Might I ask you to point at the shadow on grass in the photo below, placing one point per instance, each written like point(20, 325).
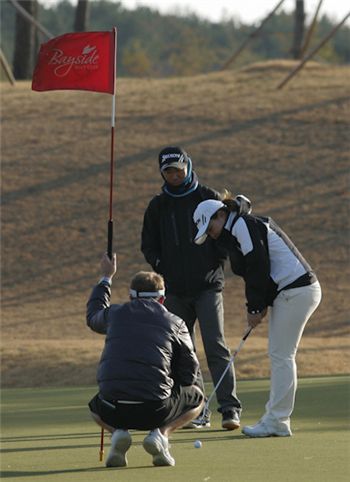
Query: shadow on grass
point(47, 448)
point(210, 436)
point(26, 473)
point(37, 438)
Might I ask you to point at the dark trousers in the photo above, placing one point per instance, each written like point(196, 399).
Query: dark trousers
point(208, 308)
point(149, 414)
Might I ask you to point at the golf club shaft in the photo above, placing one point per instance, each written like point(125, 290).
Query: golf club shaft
point(245, 336)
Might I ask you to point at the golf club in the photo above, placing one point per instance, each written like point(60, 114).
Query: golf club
point(206, 406)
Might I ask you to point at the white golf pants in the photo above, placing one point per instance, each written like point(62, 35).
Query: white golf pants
point(288, 316)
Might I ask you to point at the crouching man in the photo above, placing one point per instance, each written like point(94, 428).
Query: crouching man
point(147, 369)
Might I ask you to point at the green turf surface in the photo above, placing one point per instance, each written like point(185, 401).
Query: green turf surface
point(47, 435)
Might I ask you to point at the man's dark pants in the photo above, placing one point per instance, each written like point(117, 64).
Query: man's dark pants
point(146, 415)
point(208, 308)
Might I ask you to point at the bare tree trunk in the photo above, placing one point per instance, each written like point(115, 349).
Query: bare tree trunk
point(298, 29)
point(81, 16)
point(24, 41)
point(36, 41)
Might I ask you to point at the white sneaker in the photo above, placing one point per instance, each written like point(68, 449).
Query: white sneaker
point(262, 430)
point(157, 445)
point(120, 444)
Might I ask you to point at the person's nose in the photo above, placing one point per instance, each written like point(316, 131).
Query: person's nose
point(175, 176)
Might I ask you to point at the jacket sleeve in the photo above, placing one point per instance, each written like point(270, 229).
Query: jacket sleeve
point(185, 363)
point(98, 308)
point(150, 237)
point(256, 261)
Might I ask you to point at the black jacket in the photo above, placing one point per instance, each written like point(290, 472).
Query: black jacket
point(147, 348)
point(167, 244)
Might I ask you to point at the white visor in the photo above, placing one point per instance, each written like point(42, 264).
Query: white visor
point(202, 216)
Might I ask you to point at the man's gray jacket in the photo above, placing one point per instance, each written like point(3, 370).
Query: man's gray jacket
point(147, 348)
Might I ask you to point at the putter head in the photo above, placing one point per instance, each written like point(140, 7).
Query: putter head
point(202, 421)
point(204, 418)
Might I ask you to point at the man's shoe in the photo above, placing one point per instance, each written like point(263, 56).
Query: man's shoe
point(198, 423)
point(230, 420)
point(120, 444)
point(157, 445)
point(262, 430)
point(203, 421)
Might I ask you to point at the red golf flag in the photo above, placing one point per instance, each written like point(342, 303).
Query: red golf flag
point(77, 61)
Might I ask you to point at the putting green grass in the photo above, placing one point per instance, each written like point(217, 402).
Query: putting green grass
point(47, 435)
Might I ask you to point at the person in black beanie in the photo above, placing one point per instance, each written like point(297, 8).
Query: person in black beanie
point(193, 275)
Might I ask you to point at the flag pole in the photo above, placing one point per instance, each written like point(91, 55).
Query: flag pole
point(102, 444)
point(111, 177)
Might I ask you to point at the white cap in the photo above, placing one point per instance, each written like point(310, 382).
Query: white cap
point(202, 216)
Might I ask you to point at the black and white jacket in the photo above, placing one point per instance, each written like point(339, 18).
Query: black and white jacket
point(265, 257)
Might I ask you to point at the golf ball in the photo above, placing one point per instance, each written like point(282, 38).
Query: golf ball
point(198, 444)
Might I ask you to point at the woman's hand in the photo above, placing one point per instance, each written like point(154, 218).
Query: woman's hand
point(254, 319)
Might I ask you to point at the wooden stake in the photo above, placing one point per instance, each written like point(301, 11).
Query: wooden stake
point(252, 35)
point(311, 30)
point(311, 54)
point(7, 68)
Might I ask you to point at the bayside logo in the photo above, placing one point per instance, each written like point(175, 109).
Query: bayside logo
point(87, 60)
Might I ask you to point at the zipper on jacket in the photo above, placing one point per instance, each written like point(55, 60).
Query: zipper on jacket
point(176, 234)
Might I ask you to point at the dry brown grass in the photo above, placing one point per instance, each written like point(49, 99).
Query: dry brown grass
point(46, 362)
point(287, 150)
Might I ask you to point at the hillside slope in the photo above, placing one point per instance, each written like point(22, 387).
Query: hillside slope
point(287, 150)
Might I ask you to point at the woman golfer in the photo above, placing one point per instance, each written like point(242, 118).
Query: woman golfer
point(275, 275)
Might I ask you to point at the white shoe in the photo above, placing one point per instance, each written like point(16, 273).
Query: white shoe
point(157, 445)
point(262, 430)
point(120, 444)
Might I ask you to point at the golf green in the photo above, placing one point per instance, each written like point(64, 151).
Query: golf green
point(48, 435)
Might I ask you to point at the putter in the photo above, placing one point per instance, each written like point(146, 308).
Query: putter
point(206, 406)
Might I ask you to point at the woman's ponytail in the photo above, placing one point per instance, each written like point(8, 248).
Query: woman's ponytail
point(229, 201)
